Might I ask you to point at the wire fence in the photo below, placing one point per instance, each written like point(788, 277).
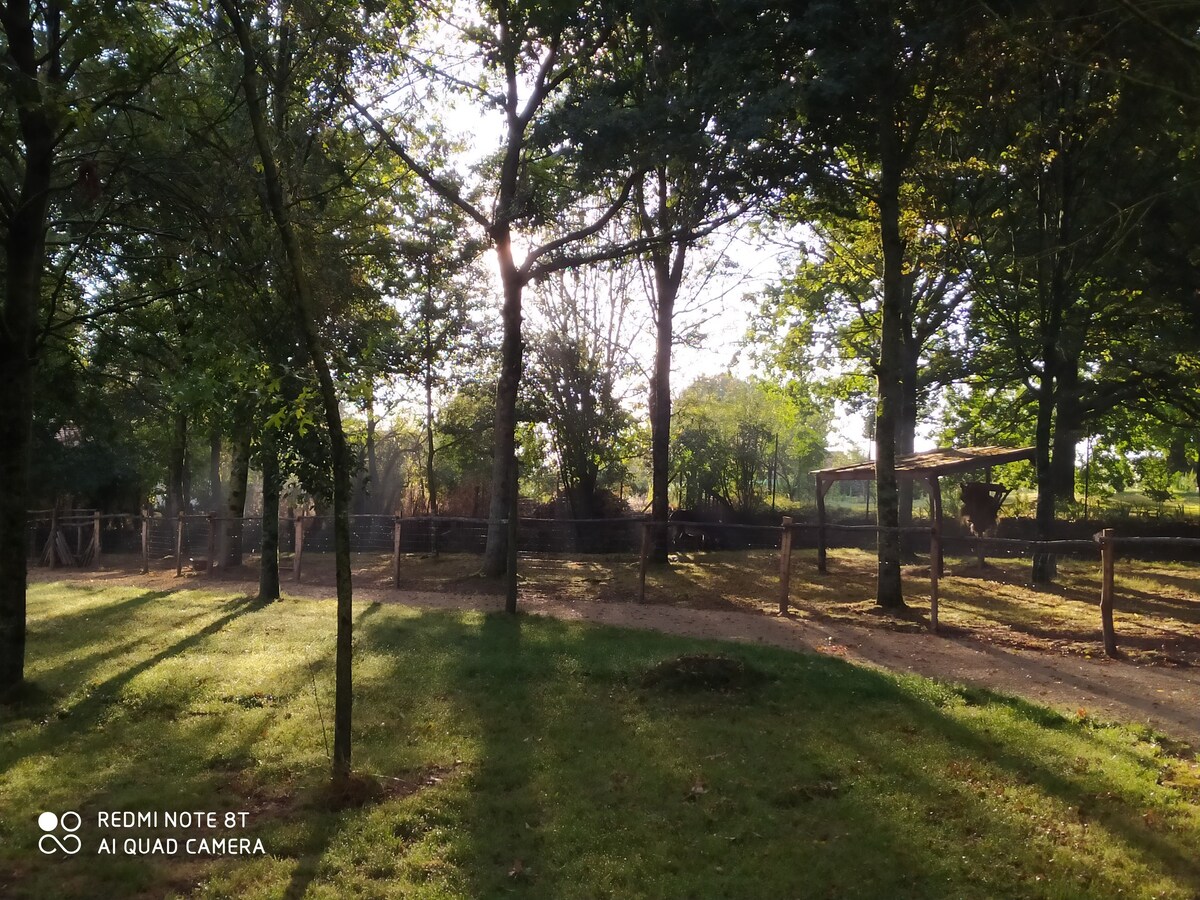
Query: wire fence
point(84, 537)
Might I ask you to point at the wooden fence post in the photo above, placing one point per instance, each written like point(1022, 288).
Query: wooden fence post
point(96, 537)
point(396, 551)
point(179, 546)
point(1107, 562)
point(297, 556)
point(785, 565)
point(644, 558)
point(212, 542)
point(935, 557)
point(145, 540)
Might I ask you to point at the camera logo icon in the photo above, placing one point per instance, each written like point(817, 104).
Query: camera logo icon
point(50, 842)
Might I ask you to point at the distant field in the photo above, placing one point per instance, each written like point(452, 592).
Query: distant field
point(533, 758)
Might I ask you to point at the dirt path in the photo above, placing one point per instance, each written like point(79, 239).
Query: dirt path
point(1166, 698)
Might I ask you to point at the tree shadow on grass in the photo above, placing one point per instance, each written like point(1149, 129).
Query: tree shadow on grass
point(508, 738)
point(1169, 848)
point(88, 710)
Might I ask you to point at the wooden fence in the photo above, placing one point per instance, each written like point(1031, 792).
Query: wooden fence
point(1105, 541)
point(75, 538)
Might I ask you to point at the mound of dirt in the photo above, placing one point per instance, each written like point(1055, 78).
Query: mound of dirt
point(702, 672)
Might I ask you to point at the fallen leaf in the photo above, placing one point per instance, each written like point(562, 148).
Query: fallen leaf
point(517, 870)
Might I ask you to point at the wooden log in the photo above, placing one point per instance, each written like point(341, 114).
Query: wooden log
point(179, 547)
point(785, 565)
point(1108, 552)
point(96, 538)
point(396, 525)
point(145, 540)
point(212, 543)
point(298, 556)
point(644, 557)
point(1161, 541)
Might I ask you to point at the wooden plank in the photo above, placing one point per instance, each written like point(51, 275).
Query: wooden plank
point(942, 461)
point(935, 552)
point(95, 554)
point(211, 560)
point(514, 518)
point(935, 503)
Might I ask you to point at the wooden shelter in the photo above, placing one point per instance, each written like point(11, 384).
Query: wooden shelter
point(928, 466)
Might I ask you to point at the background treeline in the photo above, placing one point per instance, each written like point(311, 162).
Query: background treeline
point(415, 258)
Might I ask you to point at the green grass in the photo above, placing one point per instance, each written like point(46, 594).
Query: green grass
point(534, 740)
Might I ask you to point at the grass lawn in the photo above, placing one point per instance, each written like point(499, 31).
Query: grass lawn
point(527, 757)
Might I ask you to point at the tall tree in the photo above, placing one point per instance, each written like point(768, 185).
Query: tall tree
point(53, 81)
point(891, 63)
point(529, 54)
point(1072, 168)
point(270, 134)
point(703, 101)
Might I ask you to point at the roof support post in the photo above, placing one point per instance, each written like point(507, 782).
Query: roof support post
point(935, 513)
point(822, 488)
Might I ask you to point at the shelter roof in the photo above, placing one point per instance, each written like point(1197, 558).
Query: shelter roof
point(931, 462)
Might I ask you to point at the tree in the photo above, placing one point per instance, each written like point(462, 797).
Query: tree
point(53, 83)
point(443, 319)
point(826, 314)
point(703, 102)
point(733, 435)
point(278, 204)
point(579, 374)
point(881, 71)
point(1055, 281)
point(529, 54)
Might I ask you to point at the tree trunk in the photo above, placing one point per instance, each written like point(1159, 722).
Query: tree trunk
point(268, 572)
point(889, 593)
point(504, 435)
point(1067, 431)
point(24, 256)
point(668, 275)
point(215, 498)
point(373, 486)
point(906, 431)
point(230, 545)
point(430, 470)
point(177, 499)
point(1044, 564)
